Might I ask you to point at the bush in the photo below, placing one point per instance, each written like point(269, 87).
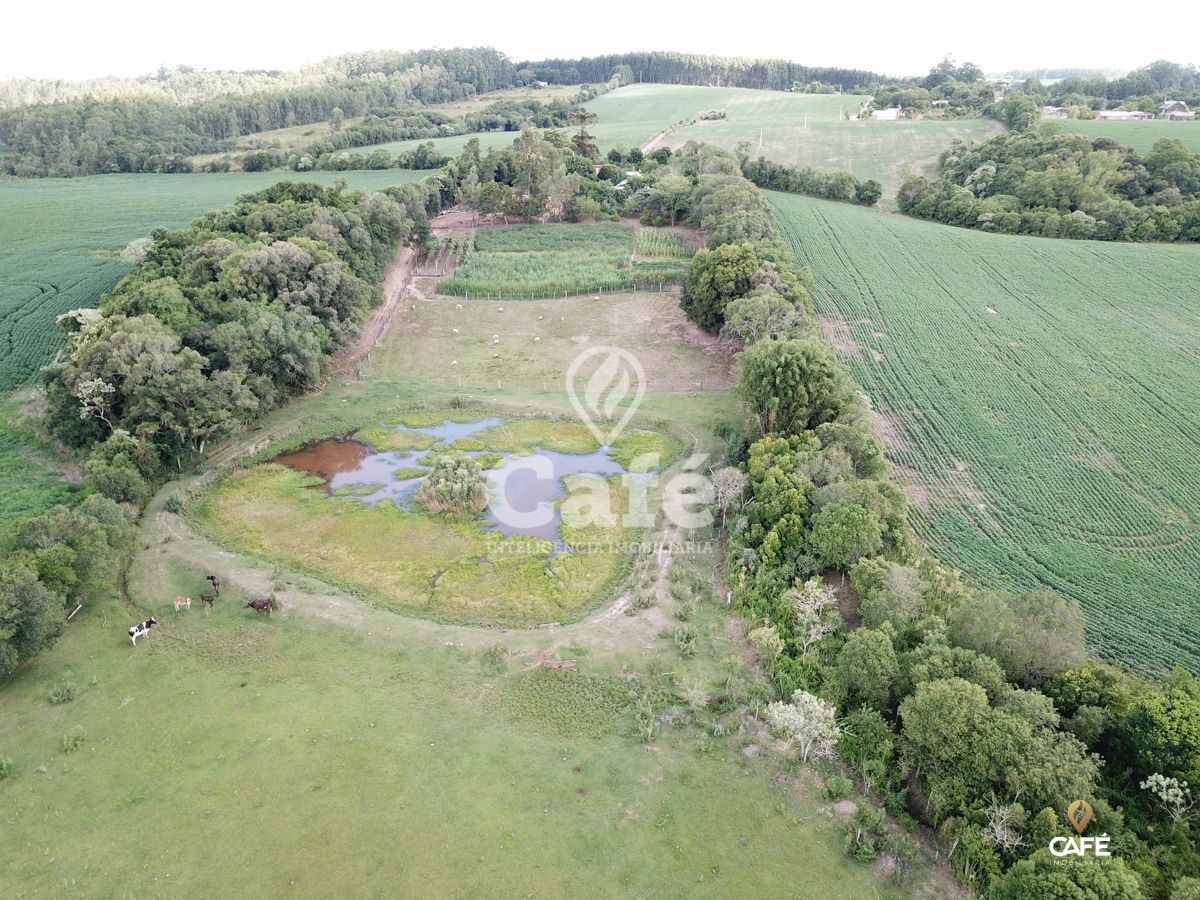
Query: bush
point(72, 740)
point(6, 767)
point(837, 787)
point(174, 504)
point(685, 640)
point(64, 693)
point(493, 660)
point(455, 485)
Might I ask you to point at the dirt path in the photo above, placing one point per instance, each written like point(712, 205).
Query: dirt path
point(397, 287)
point(652, 144)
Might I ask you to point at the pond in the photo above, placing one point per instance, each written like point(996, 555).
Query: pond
point(521, 483)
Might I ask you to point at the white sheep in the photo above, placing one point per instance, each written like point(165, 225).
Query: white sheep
point(499, 309)
point(458, 306)
point(539, 318)
point(454, 362)
point(455, 330)
point(537, 340)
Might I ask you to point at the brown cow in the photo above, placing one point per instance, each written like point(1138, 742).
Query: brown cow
point(215, 582)
point(182, 603)
point(207, 599)
point(262, 606)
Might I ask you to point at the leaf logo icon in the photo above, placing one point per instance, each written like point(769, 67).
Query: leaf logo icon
point(616, 378)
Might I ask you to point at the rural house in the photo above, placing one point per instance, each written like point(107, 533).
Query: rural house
point(1174, 110)
point(891, 114)
point(1055, 112)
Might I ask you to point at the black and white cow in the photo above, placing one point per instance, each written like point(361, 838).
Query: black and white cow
point(141, 628)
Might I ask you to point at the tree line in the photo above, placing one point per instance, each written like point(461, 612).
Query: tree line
point(693, 68)
point(977, 714)
point(139, 132)
point(1063, 185)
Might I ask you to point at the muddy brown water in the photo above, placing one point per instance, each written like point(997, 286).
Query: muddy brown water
point(327, 459)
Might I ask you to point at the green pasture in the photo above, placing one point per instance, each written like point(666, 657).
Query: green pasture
point(1141, 136)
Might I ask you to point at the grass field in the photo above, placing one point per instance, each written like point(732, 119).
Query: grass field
point(28, 482)
point(1138, 135)
point(525, 262)
point(337, 747)
point(797, 129)
point(235, 755)
point(1041, 397)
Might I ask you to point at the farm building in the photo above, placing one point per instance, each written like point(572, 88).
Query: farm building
point(1122, 115)
point(1055, 112)
point(891, 114)
point(1175, 110)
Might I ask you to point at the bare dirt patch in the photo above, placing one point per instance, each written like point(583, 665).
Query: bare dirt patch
point(838, 333)
point(892, 433)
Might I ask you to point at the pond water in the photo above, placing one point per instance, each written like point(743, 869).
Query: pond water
point(518, 487)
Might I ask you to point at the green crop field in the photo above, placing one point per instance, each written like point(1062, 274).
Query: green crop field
point(1138, 135)
point(632, 115)
point(797, 129)
point(530, 261)
point(1042, 400)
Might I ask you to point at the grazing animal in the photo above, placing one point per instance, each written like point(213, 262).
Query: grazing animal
point(215, 582)
point(141, 628)
point(262, 606)
point(207, 599)
point(183, 603)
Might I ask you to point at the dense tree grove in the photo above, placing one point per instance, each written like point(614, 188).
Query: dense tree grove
point(153, 125)
point(228, 317)
point(975, 713)
point(1142, 88)
point(1063, 185)
point(692, 68)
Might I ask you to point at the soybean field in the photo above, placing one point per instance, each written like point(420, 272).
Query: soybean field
point(1040, 398)
point(1141, 136)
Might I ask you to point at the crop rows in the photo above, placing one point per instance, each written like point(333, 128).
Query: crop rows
point(33, 292)
point(1042, 400)
point(653, 244)
point(534, 261)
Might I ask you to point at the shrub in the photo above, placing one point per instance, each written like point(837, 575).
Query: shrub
point(493, 660)
point(72, 740)
point(174, 504)
point(647, 720)
point(837, 787)
point(455, 485)
point(6, 767)
point(64, 693)
point(685, 640)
